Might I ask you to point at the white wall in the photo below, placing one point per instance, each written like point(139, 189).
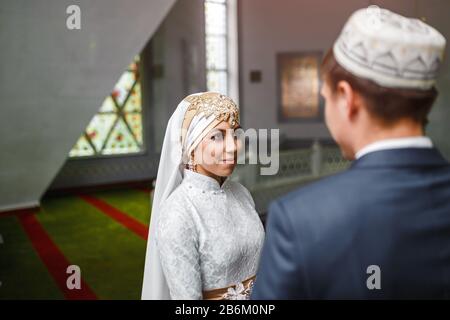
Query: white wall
point(180, 37)
point(268, 27)
point(52, 81)
point(179, 47)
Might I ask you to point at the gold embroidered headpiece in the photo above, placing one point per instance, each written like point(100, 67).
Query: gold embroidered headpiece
point(209, 103)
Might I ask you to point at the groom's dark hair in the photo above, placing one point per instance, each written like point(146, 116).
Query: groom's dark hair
point(386, 104)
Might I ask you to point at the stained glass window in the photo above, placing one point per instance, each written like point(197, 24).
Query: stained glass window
point(117, 127)
point(216, 45)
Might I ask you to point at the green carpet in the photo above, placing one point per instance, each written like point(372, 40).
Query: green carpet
point(135, 203)
point(111, 257)
point(22, 273)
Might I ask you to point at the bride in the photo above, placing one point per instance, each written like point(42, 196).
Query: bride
point(205, 236)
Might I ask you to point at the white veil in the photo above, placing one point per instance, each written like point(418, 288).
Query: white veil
point(169, 176)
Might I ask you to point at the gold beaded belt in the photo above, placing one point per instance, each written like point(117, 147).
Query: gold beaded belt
point(240, 291)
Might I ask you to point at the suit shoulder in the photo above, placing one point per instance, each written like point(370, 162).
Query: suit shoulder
point(316, 189)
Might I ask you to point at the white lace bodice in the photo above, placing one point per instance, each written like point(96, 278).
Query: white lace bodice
point(208, 236)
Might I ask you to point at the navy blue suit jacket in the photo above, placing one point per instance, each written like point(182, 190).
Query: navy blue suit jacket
point(390, 209)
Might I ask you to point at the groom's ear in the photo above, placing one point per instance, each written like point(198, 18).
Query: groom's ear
point(348, 101)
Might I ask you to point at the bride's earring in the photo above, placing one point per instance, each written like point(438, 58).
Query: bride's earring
point(192, 165)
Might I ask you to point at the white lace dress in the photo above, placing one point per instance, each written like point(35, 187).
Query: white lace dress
point(208, 237)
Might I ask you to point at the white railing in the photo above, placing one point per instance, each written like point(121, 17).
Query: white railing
point(296, 168)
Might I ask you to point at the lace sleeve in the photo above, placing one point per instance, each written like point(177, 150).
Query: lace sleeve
point(176, 239)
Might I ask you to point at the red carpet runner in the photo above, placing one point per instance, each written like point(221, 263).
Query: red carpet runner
point(132, 224)
point(53, 258)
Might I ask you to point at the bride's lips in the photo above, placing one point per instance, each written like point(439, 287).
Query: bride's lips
point(227, 161)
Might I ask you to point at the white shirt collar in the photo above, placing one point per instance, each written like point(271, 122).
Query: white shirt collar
point(386, 144)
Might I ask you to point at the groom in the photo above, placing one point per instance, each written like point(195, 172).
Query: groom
point(380, 230)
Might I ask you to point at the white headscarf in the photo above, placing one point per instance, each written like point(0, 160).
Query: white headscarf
point(170, 175)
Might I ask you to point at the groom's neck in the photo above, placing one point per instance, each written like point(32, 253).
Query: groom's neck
point(376, 131)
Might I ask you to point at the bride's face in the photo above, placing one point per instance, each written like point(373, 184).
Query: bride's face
point(217, 152)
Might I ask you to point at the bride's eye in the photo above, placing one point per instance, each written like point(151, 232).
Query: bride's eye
point(218, 136)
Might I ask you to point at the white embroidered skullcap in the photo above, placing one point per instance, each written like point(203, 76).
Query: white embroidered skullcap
point(392, 50)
